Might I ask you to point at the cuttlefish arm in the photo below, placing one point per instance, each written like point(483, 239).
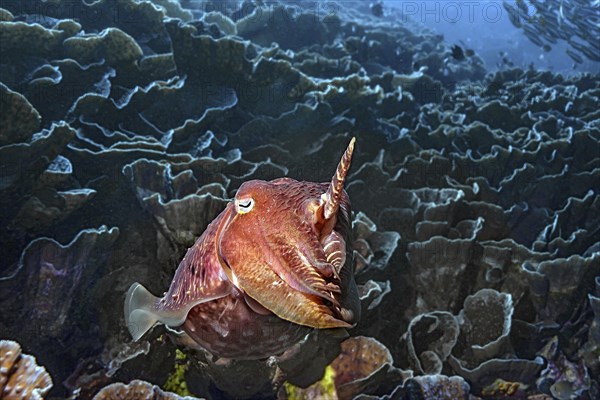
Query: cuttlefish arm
point(333, 202)
point(199, 278)
point(264, 285)
point(296, 265)
point(334, 246)
point(333, 197)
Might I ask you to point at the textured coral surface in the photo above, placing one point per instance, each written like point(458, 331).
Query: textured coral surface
point(20, 376)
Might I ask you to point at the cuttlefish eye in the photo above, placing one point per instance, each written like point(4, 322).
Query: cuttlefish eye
point(244, 205)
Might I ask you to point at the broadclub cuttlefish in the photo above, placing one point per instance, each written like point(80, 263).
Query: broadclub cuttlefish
point(276, 263)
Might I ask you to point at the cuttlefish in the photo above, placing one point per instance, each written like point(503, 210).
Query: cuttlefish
point(276, 263)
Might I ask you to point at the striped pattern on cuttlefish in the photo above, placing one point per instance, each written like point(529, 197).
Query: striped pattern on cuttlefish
point(274, 264)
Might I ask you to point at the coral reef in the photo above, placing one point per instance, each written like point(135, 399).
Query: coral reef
point(443, 330)
point(20, 376)
point(19, 119)
point(126, 126)
point(137, 390)
point(363, 366)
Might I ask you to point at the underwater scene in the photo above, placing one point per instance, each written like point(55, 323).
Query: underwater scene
point(273, 199)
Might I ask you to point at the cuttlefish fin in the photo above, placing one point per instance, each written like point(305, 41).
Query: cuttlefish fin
point(143, 310)
point(199, 278)
point(140, 306)
point(331, 198)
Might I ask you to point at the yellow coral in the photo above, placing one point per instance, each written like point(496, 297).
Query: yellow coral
point(503, 388)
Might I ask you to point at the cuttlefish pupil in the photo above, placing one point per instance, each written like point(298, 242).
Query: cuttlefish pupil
point(274, 264)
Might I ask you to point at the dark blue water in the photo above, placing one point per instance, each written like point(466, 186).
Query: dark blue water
point(486, 27)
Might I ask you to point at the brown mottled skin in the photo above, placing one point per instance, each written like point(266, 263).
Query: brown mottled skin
point(274, 264)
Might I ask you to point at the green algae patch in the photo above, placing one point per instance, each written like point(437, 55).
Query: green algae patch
point(323, 389)
point(176, 381)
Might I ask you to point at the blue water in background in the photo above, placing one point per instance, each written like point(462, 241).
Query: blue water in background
point(485, 27)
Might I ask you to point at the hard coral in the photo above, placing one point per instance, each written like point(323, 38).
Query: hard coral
point(20, 376)
point(18, 118)
point(137, 390)
point(430, 339)
point(363, 366)
point(112, 44)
